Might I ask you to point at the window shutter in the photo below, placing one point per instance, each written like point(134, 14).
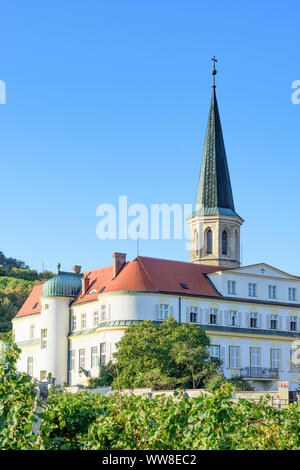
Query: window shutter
point(157, 312)
point(187, 314)
point(220, 317)
point(206, 316)
point(226, 314)
point(238, 357)
point(268, 321)
point(171, 310)
point(108, 312)
point(287, 323)
point(222, 357)
point(239, 318)
point(279, 322)
point(108, 352)
point(247, 320)
point(259, 320)
point(200, 315)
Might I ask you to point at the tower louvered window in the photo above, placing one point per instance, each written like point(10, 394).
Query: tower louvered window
point(224, 242)
point(209, 242)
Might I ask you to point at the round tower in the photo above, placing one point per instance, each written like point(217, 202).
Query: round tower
point(58, 292)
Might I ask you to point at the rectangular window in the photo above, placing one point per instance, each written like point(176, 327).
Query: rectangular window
point(103, 312)
point(214, 352)
point(83, 321)
point(193, 314)
point(73, 322)
point(163, 311)
point(272, 292)
point(231, 287)
point(96, 318)
point(253, 320)
point(234, 357)
point(31, 332)
point(43, 339)
point(102, 354)
point(30, 366)
point(274, 322)
point(293, 323)
point(275, 359)
point(82, 358)
point(71, 360)
point(255, 357)
point(233, 317)
point(252, 289)
point(94, 357)
point(43, 376)
point(213, 316)
point(292, 294)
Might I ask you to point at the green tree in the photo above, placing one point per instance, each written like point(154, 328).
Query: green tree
point(164, 355)
point(17, 405)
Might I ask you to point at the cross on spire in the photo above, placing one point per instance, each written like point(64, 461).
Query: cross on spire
point(214, 71)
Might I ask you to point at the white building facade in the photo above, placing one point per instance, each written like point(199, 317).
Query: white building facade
point(253, 333)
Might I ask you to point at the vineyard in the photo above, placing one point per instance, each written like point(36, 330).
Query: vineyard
point(87, 421)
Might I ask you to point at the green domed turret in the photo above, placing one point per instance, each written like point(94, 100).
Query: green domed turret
point(63, 285)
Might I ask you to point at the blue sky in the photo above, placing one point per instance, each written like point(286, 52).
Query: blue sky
point(109, 98)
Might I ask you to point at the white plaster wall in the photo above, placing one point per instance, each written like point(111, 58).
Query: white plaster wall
point(242, 290)
point(265, 346)
point(109, 336)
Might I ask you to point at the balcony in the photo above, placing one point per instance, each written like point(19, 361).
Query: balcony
point(263, 373)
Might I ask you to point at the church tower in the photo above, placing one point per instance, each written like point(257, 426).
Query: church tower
point(214, 224)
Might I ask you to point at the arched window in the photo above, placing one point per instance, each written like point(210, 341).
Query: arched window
point(209, 242)
point(224, 242)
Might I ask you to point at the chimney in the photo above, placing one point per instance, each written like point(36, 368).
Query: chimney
point(119, 259)
point(76, 269)
point(84, 285)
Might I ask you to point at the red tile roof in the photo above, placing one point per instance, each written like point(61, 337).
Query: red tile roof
point(97, 278)
point(33, 300)
point(140, 275)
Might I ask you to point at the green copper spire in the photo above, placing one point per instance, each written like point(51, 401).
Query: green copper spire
point(214, 194)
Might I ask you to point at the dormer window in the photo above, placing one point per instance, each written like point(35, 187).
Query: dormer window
point(35, 305)
point(183, 285)
point(93, 291)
